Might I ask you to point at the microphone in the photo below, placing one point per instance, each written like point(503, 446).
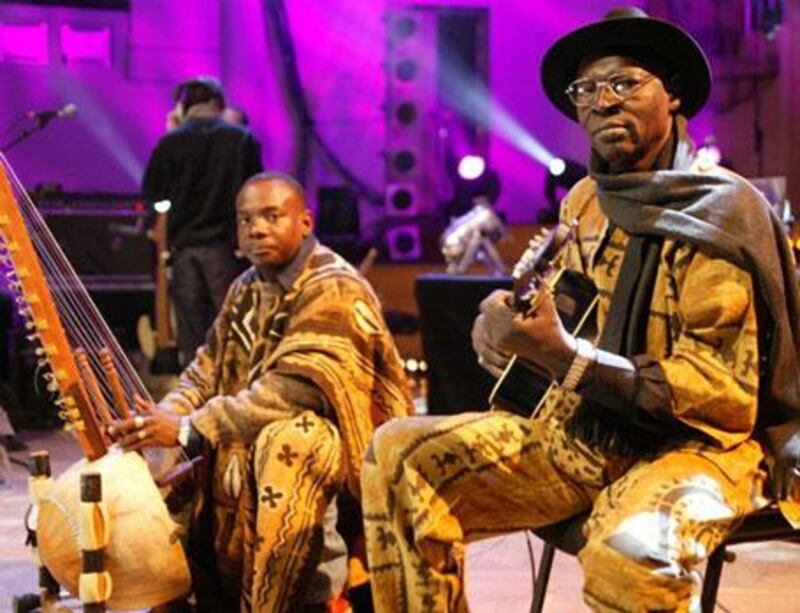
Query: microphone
point(43, 117)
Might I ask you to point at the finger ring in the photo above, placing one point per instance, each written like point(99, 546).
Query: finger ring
point(138, 421)
point(142, 434)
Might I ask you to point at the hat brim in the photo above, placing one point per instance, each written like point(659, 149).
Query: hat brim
point(678, 51)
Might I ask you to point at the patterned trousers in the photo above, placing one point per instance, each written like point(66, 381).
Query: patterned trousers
point(430, 485)
point(273, 517)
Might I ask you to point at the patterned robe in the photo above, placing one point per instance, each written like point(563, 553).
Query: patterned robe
point(306, 351)
point(431, 484)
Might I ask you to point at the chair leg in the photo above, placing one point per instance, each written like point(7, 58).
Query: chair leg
point(708, 599)
point(541, 578)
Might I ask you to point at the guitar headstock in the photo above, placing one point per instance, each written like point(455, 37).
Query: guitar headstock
point(536, 262)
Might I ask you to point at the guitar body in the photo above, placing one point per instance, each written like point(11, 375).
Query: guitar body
point(522, 388)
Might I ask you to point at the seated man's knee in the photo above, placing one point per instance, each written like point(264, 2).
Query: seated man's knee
point(637, 575)
point(291, 441)
point(386, 445)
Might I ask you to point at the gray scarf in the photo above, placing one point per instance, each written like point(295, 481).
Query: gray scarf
point(724, 216)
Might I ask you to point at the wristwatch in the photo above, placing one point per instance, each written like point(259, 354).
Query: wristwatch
point(585, 355)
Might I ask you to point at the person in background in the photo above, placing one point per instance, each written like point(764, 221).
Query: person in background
point(236, 114)
point(297, 371)
point(660, 429)
point(199, 166)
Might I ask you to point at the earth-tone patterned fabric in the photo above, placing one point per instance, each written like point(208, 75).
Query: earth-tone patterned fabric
point(312, 343)
point(431, 485)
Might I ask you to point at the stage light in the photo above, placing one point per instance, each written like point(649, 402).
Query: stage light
point(557, 167)
point(470, 167)
point(162, 206)
point(564, 173)
point(471, 237)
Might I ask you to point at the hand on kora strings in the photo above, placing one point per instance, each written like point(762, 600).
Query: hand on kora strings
point(538, 337)
point(152, 427)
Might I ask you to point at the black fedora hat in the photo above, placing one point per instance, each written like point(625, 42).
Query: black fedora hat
point(630, 31)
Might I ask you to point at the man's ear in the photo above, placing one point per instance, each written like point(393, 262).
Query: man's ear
point(674, 103)
point(308, 223)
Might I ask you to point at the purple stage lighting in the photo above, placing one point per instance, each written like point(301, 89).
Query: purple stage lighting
point(557, 166)
point(470, 167)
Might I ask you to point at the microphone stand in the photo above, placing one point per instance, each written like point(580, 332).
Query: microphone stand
point(26, 133)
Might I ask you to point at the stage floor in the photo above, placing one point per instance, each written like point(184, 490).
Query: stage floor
point(763, 578)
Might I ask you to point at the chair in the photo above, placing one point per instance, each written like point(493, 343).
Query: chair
point(567, 536)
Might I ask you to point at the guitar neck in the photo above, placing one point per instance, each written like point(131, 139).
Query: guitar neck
point(165, 336)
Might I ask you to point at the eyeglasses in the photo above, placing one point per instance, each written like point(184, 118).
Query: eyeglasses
point(586, 92)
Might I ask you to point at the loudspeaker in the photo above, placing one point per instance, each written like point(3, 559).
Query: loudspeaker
point(102, 235)
point(402, 199)
point(337, 212)
point(405, 243)
point(448, 305)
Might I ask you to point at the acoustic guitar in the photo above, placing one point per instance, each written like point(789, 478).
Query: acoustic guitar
point(523, 386)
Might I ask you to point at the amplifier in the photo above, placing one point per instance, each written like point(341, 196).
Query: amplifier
point(104, 236)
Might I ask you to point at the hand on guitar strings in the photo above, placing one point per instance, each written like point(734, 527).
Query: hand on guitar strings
point(152, 427)
point(537, 337)
point(490, 358)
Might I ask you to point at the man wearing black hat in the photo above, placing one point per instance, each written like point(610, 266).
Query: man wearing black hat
point(199, 167)
point(659, 427)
